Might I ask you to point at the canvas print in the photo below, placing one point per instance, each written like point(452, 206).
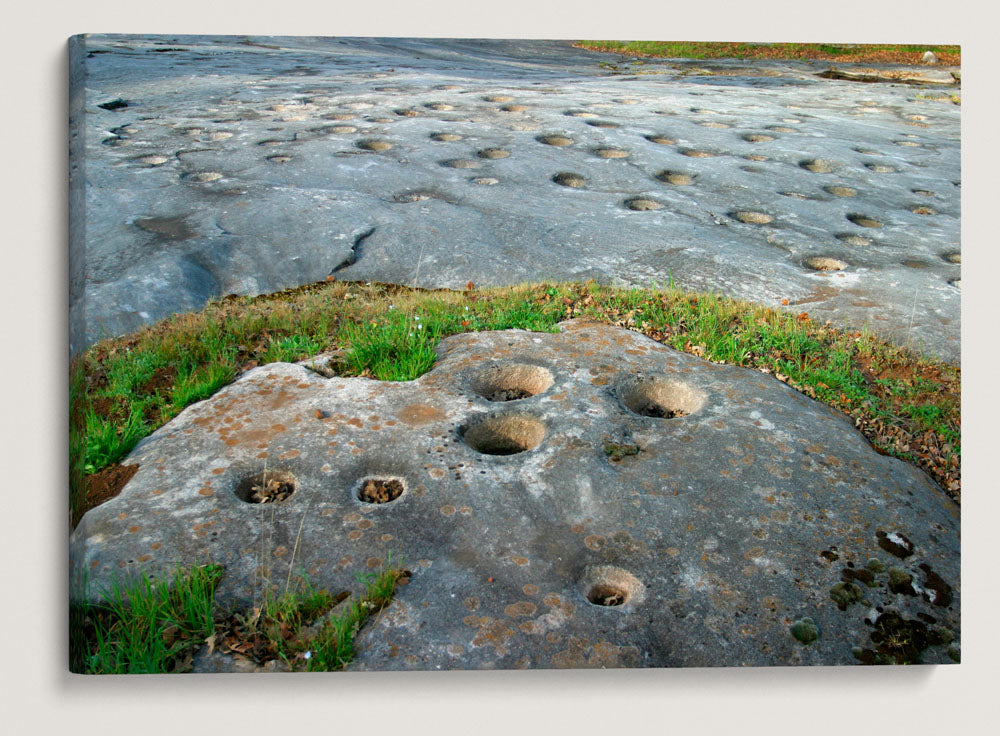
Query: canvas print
point(437, 354)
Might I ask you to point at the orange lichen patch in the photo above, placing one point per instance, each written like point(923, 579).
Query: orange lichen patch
point(355, 535)
point(134, 529)
point(436, 473)
point(373, 562)
point(465, 510)
point(289, 454)
point(218, 471)
point(155, 546)
point(577, 528)
point(496, 634)
point(595, 542)
point(530, 589)
point(754, 553)
point(673, 551)
point(386, 538)
point(366, 524)
point(144, 558)
point(448, 510)
point(521, 608)
point(280, 551)
point(415, 415)
point(456, 650)
point(352, 517)
point(205, 491)
point(355, 422)
point(551, 600)
point(581, 654)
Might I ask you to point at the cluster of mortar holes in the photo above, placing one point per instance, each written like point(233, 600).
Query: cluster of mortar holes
point(677, 178)
point(863, 220)
point(818, 165)
point(696, 153)
point(841, 191)
point(555, 140)
point(750, 217)
point(511, 381)
point(880, 168)
point(824, 263)
point(445, 137)
point(279, 159)
point(569, 179)
point(380, 489)
point(853, 239)
point(503, 434)
point(660, 398)
point(460, 163)
point(609, 586)
point(757, 137)
point(952, 256)
point(372, 144)
point(922, 209)
point(643, 204)
point(493, 153)
point(662, 140)
point(268, 486)
point(610, 153)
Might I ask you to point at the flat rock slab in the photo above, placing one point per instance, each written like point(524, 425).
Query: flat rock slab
point(590, 498)
point(213, 165)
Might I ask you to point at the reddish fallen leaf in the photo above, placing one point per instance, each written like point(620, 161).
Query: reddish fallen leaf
point(319, 414)
point(785, 301)
point(470, 286)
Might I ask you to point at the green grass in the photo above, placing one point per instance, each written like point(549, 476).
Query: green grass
point(146, 626)
point(737, 50)
point(127, 387)
point(156, 626)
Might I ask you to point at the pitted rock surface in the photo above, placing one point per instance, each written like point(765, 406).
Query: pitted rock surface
point(247, 165)
point(653, 509)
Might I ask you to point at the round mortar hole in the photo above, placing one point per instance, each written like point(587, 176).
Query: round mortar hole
point(817, 165)
point(279, 159)
point(839, 191)
point(642, 204)
point(555, 140)
point(511, 381)
point(439, 106)
point(757, 138)
point(569, 179)
point(498, 98)
point(446, 137)
point(505, 434)
point(603, 124)
point(374, 145)
point(750, 217)
point(611, 153)
point(923, 210)
point(460, 163)
point(663, 140)
point(609, 586)
point(824, 263)
point(953, 257)
point(864, 220)
point(269, 486)
point(660, 398)
point(923, 192)
point(880, 168)
point(374, 489)
point(698, 154)
point(152, 160)
point(852, 239)
point(513, 108)
point(677, 178)
point(341, 129)
point(493, 153)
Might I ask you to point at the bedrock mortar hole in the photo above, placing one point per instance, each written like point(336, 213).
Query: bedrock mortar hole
point(506, 434)
point(376, 489)
point(269, 486)
point(605, 585)
point(824, 263)
point(660, 398)
point(512, 382)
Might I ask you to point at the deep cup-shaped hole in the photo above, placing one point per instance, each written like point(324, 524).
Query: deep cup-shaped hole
point(511, 381)
point(269, 486)
point(506, 434)
point(376, 489)
point(661, 398)
point(606, 585)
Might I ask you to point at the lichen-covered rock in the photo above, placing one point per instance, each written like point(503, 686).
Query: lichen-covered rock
point(746, 507)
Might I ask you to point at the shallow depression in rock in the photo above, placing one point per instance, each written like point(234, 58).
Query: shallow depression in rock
point(662, 398)
point(511, 381)
point(606, 585)
point(504, 434)
point(268, 486)
point(378, 489)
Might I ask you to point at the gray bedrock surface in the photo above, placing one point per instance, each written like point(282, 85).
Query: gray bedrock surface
point(246, 165)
